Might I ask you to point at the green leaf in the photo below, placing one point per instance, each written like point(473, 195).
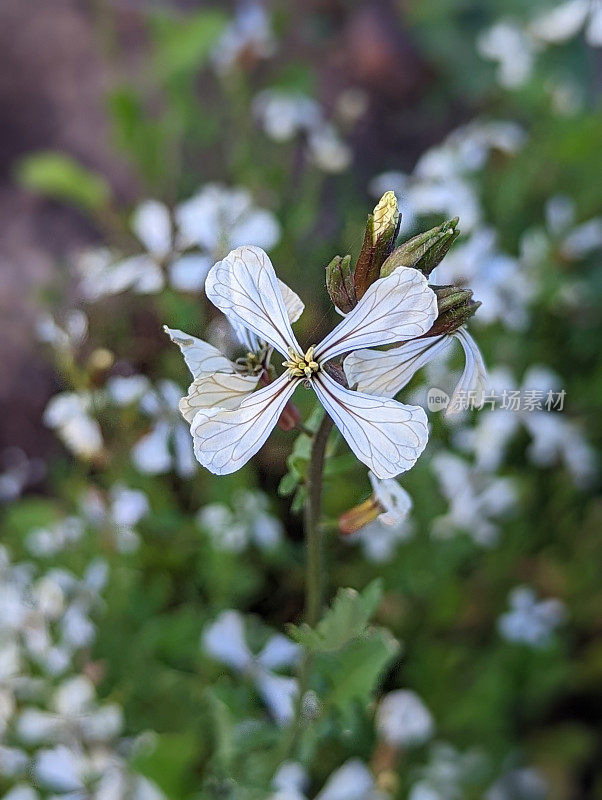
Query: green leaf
point(353, 673)
point(184, 45)
point(345, 620)
point(288, 484)
point(58, 176)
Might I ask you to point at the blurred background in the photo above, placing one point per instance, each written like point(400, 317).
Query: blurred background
point(140, 142)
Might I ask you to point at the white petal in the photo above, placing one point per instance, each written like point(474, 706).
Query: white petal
point(188, 272)
point(220, 389)
point(386, 372)
point(201, 357)
point(183, 452)
point(152, 225)
point(385, 435)
point(474, 377)
point(352, 781)
point(244, 286)
point(278, 694)
point(292, 301)
point(151, 453)
point(396, 308)
point(561, 23)
point(224, 440)
point(279, 652)
point(225, 640)
point(257, 227)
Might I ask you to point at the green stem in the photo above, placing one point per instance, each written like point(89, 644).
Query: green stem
point(314, 570)
point(314, 574)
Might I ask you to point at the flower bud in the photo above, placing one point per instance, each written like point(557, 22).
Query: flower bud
point(339, 282)
point(425, 251)
point(455, 306)
point(359, 516)
point(379, 240)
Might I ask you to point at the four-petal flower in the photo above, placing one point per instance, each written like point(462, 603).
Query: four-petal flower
point(384, 434)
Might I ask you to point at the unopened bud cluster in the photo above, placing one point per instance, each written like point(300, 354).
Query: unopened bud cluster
point(379, 257)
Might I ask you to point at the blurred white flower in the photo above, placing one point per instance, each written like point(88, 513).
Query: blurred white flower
point(225, 641)
point(519, 784)
point(203, 228)
point(477, 500)
point(168, 444)
point(118, 514)
point(352, 781)
point(249, 522)
point(403, 720)
point(564, 21)
point(448, 774)
point(52, 539)
point(554, 438)
point(284, 115)
point(503, 284)
point(125, 390)
point(510, 46)
point(218, 219)
point(65, 337)
point(17, 472)
point(69, 414)
point(530, 621)
point(74, 716)
point(442, 179)
point(248, 36)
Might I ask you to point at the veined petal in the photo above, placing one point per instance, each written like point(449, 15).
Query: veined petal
point(474, 377)
point(393, 309)
point(224, 440)
point(245, 287)
point(385, 435)
point(386, 372)
point(221, 389)
point(201, 357)
point(293, 303)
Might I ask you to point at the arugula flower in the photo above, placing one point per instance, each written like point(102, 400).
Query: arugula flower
point(385, 435)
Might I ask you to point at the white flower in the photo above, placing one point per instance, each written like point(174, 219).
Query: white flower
point(18, 471)
point(70, 415)
point(508, 44)
point(403, 720)
point(476, 499)
point(352, 781)
point(442, 182)
point(167, 445)
point(553, 438)
point(120, 514)
point(249, 34)
point(564, 21)
point(218, 219)
point(52, 539)
point(211, 222)
point(519, 784)
point(384, 434)
point(502, 283)
point(448, 775)
point(249, 522)
point(217, 380)
point(386, 372)
point(225, 641)
point(530, 621)
point(66, 337)
point(125, 390)
point(284, 115)
point(380, 536)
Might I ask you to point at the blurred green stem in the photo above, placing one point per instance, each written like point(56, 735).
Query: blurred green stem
point(314, 570)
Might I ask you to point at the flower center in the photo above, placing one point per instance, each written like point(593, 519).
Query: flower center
point(299, 366)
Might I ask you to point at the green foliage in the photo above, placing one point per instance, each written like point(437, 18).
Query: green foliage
point(345, 620)
point(60, 177)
